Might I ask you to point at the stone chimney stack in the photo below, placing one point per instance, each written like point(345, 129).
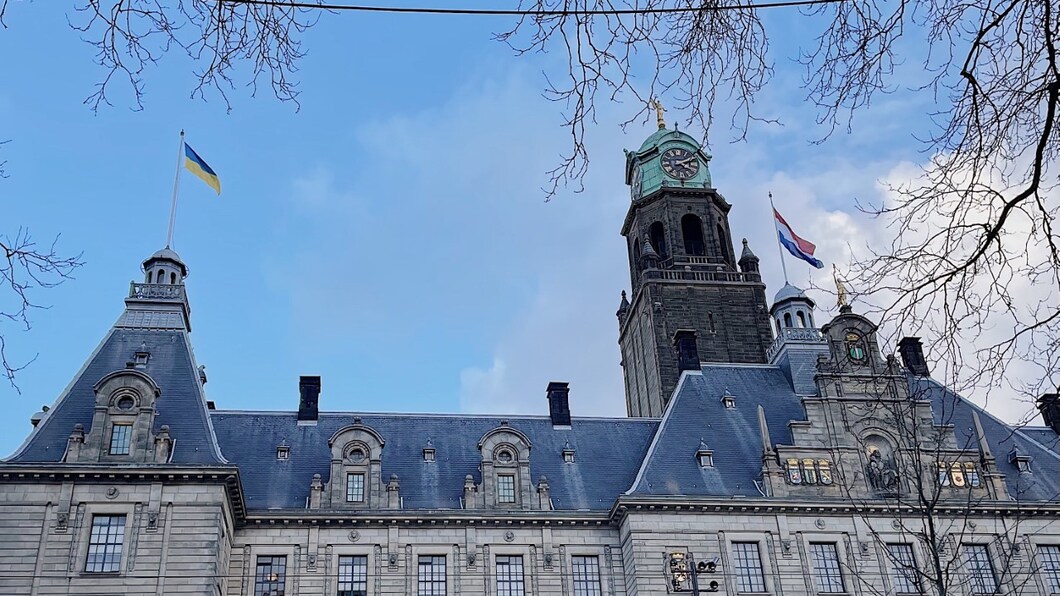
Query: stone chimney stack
point(912, 353)
point(1049, 406)
point(558, 404)
point(687, 350)
point(309, 399)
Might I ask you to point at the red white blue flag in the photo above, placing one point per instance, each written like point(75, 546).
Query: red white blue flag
point(799, 247)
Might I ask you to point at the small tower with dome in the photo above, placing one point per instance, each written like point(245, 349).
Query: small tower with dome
point(161, 300)
point(798, 340)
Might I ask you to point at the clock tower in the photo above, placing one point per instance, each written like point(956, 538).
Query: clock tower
point(684, 275)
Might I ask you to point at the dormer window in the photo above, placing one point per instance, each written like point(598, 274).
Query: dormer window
point(354, 488)
point(704, 455)
point(505, 488)
point(568, 453)
point(1020, 460)
point(428, 452)
point(283, 452)
point(728, 401)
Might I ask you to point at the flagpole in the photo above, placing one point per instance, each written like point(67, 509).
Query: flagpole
point(780, 249)
point(176, 188)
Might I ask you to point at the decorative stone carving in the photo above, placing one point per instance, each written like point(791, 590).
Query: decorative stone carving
point(881, 473)
point(163, 445)
point(509, 536)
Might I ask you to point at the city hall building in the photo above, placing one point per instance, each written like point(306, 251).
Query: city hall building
point(763, 454)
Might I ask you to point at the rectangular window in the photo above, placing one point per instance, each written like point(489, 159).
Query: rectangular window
point(980, 568)
point(354, 488)
point(120, 439)
point(510, 576)
point(271, 576)
point(353, 576)
point(505, 488)
point(827, 575)
point(906, 577)
point(586, 575)
point(1049, 555)
point(431, 575)
point(748, 565)
point(105, 544)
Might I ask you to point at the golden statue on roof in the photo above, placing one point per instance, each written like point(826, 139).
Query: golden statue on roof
point(841, 290)
point(659, 110)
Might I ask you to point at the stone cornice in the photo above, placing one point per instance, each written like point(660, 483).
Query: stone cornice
point(429, 517)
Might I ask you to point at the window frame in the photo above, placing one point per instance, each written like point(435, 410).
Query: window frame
point(260, 585)
point(904, 573)
point(739, 571)
point(350, 485)
point(822, 578)
point(975, 575)
point(510, 584)
point(586, 586)
point(1049, 574)
point(501, 494)
point(432, 584)
point(127, 434)
point(120, 551)
point(353, 577)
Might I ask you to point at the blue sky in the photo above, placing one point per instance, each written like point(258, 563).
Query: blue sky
point(391, 235)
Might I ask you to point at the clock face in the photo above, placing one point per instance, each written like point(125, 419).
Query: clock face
point(634, 185)
point(680, 163)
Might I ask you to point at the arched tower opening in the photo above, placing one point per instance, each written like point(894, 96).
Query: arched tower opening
point(692, 234)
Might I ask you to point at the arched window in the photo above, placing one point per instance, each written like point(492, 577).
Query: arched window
point(787, 319)
point(723, 244)
point(802, 318)
point(160, 277)
point(149, 274)
point(692, 233)
point(636, 250)
point(173, 278)
point(657, 236)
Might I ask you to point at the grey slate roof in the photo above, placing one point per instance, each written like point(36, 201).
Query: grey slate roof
point(607, 453)
point(181, 404)
point(696, 412)
point(1042, 484)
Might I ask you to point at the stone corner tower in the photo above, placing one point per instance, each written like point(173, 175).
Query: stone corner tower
point(683, 273)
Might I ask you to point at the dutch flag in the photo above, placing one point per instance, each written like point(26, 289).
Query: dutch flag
point(798, 247)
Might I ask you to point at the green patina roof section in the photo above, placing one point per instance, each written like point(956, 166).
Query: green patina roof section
point(652, 174)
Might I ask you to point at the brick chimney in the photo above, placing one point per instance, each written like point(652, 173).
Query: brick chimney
point(558, 404)
point(309, 399)
point(687, 350)
point(912, 353)
point(1049, 406)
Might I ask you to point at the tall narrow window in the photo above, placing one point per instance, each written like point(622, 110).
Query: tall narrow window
point(353, 575)
point(827, 575)
point(723, 243)
point(431, 576)
point(354, 488)
point(120, 439)
point(692, 233)
point(510, 576)
point(271, 576)
point(586, 572)
point(161, 277)
point(980, 568)
point(657, 237)
point(105, 544)
point(787, 319)
point(1049, 556)
point(906, 578)
point(747, 562)
point(801, 317)
point(505, 488)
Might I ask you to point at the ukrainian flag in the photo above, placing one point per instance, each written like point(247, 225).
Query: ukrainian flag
point(196, 165)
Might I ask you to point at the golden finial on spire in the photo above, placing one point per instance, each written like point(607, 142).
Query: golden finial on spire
point(841, 290)
point(659, 109)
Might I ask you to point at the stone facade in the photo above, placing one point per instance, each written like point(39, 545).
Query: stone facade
point(784, 466)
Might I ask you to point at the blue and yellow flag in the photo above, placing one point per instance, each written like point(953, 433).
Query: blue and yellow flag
point(196, 165)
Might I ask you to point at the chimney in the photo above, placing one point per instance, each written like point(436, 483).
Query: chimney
point(912, 353)
point(309, 398)
point(1049, 406)
point(687, 350)
point(558, 405)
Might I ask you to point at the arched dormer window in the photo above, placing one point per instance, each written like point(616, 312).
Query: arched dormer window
point(692, 233)
point(802, 318)
point(356, 474)
point(657, 236)
point(122, 421)
point(787, 319)
point(505, 465)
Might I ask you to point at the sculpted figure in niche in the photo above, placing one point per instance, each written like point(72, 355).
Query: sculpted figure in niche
point(881, 473)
